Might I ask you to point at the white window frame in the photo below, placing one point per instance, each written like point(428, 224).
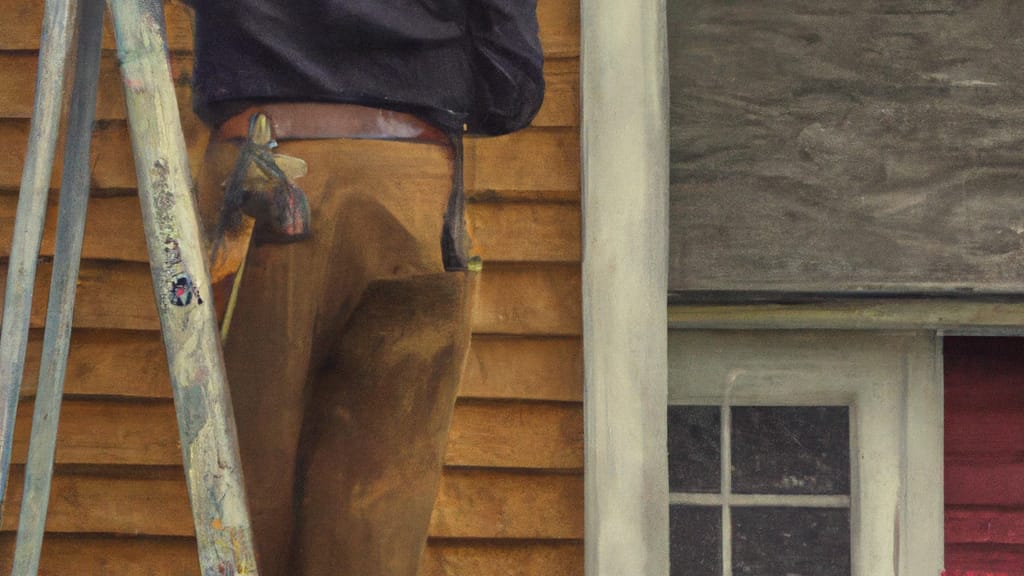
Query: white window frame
point(893, 386)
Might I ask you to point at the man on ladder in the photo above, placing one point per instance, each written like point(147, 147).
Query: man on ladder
point(352, 320)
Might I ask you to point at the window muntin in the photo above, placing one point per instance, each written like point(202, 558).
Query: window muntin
point(891, 386)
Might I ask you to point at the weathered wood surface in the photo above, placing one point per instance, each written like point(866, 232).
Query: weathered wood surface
point(847, 146)
point(492, 434)
point(470, 504)
point(19, 28)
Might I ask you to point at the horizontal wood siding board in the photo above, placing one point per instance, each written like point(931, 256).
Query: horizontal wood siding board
point(524, 368)
point(990, 433)
point(559, 27)
point(129, 364)
point(83, 503)
point(18, 92)
point(839, 148)
point(518, 232)
point(108, 432)
point(109, 556)
point(132, 364)
point(493, 504)
point(22, 24)
point(983, 484)
point(513, 299)
point(492, 195)
point(134, 556)
point(529, 300)
point(470, 504)
point(516, 435)
point(444, 558)
point(526, 232)
point(984, 560)
point(984, 526)
point(561, 105)
point(533, 159)
point(497, 434)
point(110, 153)
point(113, 229)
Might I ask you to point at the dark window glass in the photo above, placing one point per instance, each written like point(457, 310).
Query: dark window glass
point(696, 545)
point(780, 541)
point(790, 450)
point(694, 449)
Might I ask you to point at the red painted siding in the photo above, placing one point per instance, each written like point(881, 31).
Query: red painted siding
point(984, 462)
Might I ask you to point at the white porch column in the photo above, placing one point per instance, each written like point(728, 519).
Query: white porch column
point(625, 222)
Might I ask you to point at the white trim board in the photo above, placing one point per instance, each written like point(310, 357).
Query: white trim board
point(624, 167)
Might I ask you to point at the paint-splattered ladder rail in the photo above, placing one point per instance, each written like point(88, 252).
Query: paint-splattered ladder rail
point(180, 278)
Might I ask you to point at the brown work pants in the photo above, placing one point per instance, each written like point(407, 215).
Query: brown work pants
point(344, 357)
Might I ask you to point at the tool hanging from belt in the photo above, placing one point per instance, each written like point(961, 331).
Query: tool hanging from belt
point(261, 200)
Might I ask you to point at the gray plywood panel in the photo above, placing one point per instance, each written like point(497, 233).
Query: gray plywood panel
point(847, 146)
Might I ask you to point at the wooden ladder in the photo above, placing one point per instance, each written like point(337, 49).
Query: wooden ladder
point(180, 276)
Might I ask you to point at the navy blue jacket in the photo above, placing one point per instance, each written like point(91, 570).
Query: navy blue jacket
point(454, 62)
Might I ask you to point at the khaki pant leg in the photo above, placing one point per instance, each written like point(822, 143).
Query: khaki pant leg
point(376, 434)
point(297, 360)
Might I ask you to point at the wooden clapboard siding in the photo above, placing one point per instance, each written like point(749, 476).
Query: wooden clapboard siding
point(131, 556)
point(471, 504)
point(511, 499)
point(514, 299)
point(131, 364)
point(512, 559)
point(536, 159)
point(496, 434)
point(505, 232)
point(984, 477)
point(109, 555)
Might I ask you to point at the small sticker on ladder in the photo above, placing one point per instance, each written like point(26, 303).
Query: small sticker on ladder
point(181, 290)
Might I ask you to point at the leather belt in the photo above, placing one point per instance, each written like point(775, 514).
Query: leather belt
point(320, 120)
